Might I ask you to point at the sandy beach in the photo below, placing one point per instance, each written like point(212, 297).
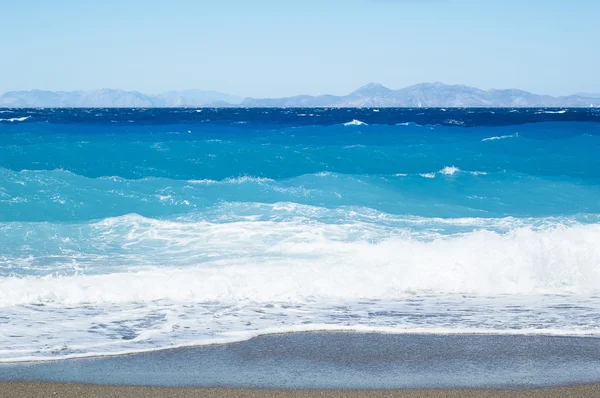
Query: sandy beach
point(328, 365)
point(34, 390)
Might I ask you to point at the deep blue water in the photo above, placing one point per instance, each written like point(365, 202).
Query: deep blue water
point(148, 228)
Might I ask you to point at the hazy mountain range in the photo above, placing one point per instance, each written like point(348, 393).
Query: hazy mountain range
point(109, 98)
point(371, 95)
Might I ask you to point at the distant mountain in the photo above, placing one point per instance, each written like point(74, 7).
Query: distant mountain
point(371, 95)
point(196, 98)
point(428, 95)
point(109, 98)
point(588, 95)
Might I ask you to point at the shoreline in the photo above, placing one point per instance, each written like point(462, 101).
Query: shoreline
point(35, 389)
point(338, 361)
point(324, 330)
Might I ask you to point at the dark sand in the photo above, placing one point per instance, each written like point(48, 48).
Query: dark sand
point(34, 390)
point(328, 365)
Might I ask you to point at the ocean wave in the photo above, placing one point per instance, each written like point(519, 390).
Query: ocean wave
point(15, 119)
point(448, 171)
point(451, 170)
point(455, 122)
point(347, 214)
point(502, 137)
point(168, 283)
point(265, 261)
point(233, 180)
point(355, 122)
point(551, 112)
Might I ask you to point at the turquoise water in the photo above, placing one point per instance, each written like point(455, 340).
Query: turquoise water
point(132, 230)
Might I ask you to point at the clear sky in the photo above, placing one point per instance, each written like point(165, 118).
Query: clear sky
point(266, 48)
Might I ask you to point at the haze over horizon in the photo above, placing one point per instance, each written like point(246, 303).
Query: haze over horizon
point(366, 85)
point(273, 49)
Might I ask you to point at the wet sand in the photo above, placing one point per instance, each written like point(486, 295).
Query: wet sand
point(328, 365)
point(34, 390)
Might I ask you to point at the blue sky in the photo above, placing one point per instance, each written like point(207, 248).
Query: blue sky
point(266, 48)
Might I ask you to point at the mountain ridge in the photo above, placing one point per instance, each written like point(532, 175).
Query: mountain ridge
point(434, 94)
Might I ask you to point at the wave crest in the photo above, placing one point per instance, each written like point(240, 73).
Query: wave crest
point(15, 119)
point(501, 137)
point(233, 180)
point(265, 262)
point(355, 122)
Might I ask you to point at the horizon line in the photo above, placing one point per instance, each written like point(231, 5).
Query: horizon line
point(216, 91)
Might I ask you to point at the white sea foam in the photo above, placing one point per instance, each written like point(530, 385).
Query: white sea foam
point(552, 112)
point(325, 174)
point(427, 175)
point(196, 282)
point(501, 137)
point(355, 123)
point(298, 261)
point(449, 170)
point(15, 119)
point(233, 180)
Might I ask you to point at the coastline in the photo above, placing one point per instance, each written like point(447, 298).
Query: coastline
point(333, 362)
point(34, 390)
point(310, 330)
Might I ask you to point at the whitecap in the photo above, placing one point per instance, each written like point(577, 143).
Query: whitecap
point(325, 174)
point(15, 119)
point(500, 137)
point(232, 180)
point(552, 112)
point(450, 170)
point(355, 122)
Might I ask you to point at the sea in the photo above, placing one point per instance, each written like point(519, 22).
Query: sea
point(133, 230)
